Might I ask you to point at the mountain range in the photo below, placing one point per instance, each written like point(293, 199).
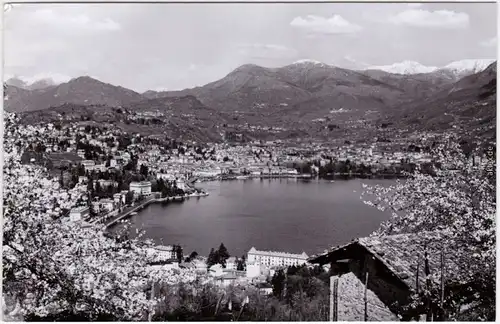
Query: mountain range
point(456, 69)
point(300, 97)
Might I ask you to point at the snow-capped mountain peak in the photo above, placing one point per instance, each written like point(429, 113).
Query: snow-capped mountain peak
point(405, 67)
point(457, 68)
point(308, 61)
point(468, 66)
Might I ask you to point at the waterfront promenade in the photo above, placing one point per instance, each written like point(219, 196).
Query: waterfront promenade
point(115, 217)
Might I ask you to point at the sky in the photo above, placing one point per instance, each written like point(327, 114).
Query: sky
point(176, 46)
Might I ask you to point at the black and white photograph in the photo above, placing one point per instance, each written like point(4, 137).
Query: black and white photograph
point(249, 161)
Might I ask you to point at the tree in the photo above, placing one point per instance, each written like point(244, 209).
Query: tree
point(241, 264)
point(61, 179)
point(144, 170)
point(53, 269)
point(129, 198)
point(278, 282)
point(222, 255)
point(212, 258)
point(192, 256)
point(455, 201)
point(98, 189)
point(178, 252)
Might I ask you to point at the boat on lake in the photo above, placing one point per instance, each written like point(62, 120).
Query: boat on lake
point(241, 177)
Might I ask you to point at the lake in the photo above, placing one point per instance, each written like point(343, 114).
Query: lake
point(287, 215)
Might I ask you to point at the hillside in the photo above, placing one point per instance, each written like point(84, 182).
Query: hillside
point(181, 127)
point(414, 85)
point(305, 90)
point(303, 99)
point(469, 104)
point(78, 91)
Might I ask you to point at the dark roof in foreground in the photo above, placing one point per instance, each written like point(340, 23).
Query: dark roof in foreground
point(402, 252)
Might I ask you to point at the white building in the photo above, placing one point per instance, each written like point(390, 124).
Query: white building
point(79, 213)
point(181, 184)
point(107, 183)
point(253, 269)
point(81, 153)
point(231, 263)
point(165, 252)
point(165, 176)
point(107, 204)
point(119, 198)
point(141, 188)
point(272, 258)
point(88, 164)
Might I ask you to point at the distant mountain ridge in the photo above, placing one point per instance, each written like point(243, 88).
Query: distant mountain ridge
point(469, 102)
point(457, 68)
point(79, 91)
point(37, 82)
point(300, 96)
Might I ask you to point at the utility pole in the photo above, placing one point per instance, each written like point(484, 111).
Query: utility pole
point(151, 300)
point(365, 297)
point(334, 287)
point(442, 284)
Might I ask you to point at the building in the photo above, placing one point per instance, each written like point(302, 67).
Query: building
point(272, 258)
point(165, 252)
point(231, 263)
point(165, 176)
point(79, 213)
point(141, 188)
point(265, 288)
point(254, 269)
point(119, 198)
point(107, 204)
point(216, 270)
point(181, 184)
point(226, 279)
point(88, 164)
point(394, 266)
point(107, 183)
point(81, 153)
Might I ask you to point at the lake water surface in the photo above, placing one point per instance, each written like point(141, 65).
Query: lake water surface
point(270, 214)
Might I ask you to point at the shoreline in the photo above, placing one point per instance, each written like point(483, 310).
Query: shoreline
point(144, 204)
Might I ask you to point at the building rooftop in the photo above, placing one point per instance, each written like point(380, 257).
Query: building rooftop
point(402, 252)
point(79, 209)
point(303, 255)
point(142, 183)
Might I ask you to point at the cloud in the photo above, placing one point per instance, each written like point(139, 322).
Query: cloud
point(492, 42)
point(79, 22)
point(321, 25)
point(269, 51)
point(431, 19)
point(415, 5)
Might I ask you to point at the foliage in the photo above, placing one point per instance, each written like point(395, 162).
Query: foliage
point(57, 269)
point(218, 256)
point(192, 256)
point(458, 202)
